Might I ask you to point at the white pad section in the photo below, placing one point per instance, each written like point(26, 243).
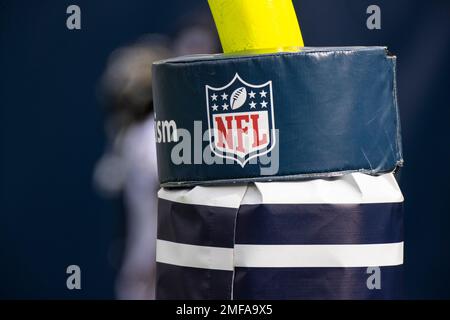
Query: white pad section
point(280, 256)
point(352, 188)
point(319, 256)
point(215, 196)
point(186, 255)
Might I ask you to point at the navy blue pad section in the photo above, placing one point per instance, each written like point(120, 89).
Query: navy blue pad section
point(320, 223)
point(175, 282)
point(196, 224)
point(317, 283)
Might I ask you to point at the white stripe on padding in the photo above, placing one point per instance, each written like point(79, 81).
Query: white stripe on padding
point(352, 188)
point(319, 256)
point(280, 256)
point(214, 196)
point(187, 255)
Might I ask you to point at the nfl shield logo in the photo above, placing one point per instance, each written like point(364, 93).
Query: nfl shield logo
point(241, 121)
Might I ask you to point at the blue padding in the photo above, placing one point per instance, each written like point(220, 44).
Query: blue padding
point(317, 283)
point(175, 282)
point(195, 224)
point(320, 223)
point(264, 224)
point(335, 110)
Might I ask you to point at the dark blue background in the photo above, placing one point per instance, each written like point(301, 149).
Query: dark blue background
point(52, 131)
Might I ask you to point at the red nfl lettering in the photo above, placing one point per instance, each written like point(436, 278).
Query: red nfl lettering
point(240, 130)
point(225, 132)
point(257, 142)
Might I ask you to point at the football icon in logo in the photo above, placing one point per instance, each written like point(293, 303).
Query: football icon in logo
point(238, 98)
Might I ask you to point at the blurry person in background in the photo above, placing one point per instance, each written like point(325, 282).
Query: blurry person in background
point(127, 169)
